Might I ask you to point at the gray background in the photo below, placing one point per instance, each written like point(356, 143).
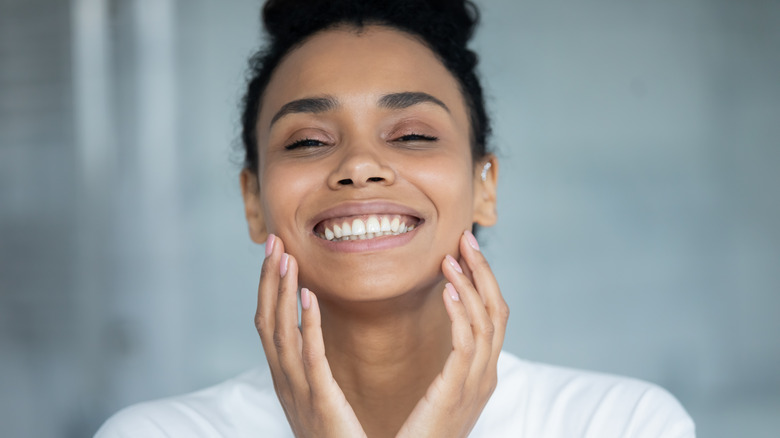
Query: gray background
point(639, 213)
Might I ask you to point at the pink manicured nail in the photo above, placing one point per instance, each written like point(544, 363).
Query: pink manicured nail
point(269, 244)
point(305, 298)
point(454, 263)
point(283, 264)
point(471, 239)
point(452, 292)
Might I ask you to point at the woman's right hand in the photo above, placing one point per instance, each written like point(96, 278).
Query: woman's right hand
point(312, 400)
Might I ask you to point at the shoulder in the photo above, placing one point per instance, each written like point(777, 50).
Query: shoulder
point(238, 407)
point(547, 400)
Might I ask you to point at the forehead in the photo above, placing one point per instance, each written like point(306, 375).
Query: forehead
point(359, 66)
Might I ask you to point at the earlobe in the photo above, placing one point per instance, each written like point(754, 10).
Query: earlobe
point(250, 191)
point(485, 190)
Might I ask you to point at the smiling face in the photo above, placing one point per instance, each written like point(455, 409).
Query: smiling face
point(365, 167)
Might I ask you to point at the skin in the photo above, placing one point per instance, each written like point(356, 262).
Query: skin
point(384, 348)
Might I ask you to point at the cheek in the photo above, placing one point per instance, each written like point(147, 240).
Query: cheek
point(283, 189)
point(449, 185)
point(447, 182)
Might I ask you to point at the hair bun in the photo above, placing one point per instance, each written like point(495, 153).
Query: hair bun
point(284, 19)
point(462, 17)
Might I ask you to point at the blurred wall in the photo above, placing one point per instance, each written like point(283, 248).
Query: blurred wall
point(638, 208)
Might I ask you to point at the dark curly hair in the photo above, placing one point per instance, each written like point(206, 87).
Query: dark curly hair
point(445, 26)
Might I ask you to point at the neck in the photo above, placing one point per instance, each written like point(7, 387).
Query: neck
point(385, 355)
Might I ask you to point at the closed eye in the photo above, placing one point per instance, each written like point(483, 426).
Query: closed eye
point(304, 143)
point(416, 137)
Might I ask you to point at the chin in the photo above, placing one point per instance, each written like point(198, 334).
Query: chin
point(368, 285)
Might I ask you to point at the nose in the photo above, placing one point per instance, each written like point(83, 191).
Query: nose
point(361, 166)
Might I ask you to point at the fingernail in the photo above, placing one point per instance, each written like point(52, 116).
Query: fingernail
point(454, 263)
point(283, 265)
point(451, 290)
point(305, 298)
point(471, 239)
point(269, 244)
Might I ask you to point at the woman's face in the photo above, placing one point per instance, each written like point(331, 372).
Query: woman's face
point(366, 128)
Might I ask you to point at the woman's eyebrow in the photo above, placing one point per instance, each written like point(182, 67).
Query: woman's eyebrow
point(322, 104)
point(306, 105)
point(407, 99)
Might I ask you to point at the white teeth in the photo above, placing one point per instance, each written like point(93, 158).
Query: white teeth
point(372, 225)
point(394, 225)
point(358, 227)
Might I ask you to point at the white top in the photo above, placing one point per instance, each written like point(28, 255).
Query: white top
point(531, 401)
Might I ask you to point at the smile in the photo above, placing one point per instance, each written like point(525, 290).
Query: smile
point(365, 227)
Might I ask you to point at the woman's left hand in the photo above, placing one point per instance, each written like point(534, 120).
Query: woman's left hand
point(479, 314)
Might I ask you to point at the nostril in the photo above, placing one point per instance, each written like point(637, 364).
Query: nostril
point(345, 182)
point(375, 179)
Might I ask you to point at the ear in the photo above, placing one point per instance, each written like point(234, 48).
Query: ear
point(250, 190)
point(485, 191)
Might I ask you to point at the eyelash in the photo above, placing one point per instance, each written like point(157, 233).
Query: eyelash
point(417, 137)
point(303, 143)
point(310, 142)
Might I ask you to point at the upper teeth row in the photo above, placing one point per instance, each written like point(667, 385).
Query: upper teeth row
point(372, 227)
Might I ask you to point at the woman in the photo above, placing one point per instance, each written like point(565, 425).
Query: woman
point(366, 170)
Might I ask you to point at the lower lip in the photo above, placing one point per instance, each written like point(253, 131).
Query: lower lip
point(369, 245)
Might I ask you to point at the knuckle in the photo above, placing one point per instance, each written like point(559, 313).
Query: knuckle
point(309, 356)
point(280, 339)
point(487, 330)
point(261, 323)
point(503, 311)
point(468, 349)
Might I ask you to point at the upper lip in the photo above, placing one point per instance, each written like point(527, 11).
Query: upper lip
point(356, 208)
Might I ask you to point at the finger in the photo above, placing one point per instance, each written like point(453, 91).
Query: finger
point(487, 286)
point(466, 270)
point(267, 293)
point(457, 366)
point(480, 325)
point(475, 309)
point(484, 280)
point(315, 364)
point(287, 336)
